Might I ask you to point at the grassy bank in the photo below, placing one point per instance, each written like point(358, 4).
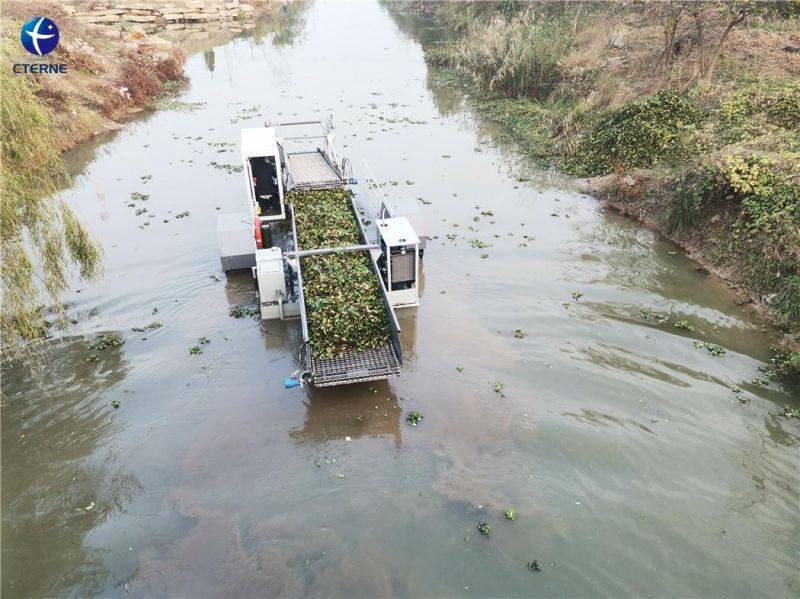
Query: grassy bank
point(40, 116)
point(684, 115)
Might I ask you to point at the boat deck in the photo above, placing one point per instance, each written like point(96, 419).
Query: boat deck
point(311, 170)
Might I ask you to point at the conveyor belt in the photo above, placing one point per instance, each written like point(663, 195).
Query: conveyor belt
point(310, 170)
point(355, 367)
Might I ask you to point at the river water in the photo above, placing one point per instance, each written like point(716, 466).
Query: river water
point(634, 465)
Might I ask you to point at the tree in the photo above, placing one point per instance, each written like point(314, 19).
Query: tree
point(40, 237)
point(670, 14)
point(734, 13)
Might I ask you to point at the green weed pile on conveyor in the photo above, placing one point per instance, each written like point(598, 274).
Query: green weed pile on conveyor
point(344, 306)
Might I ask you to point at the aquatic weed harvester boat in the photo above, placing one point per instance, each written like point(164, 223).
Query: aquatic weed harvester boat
point(316, 254)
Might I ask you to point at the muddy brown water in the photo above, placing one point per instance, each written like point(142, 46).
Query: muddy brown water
point(632, 463)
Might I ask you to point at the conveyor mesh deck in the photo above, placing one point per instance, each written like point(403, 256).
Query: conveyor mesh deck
point(311, 169)
point(356, 367)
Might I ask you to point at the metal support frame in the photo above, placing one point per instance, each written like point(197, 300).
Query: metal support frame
point(321, 251)
point(394, 325)
point(303, 317)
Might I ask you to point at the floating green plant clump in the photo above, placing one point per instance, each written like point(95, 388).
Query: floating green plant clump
point(712, 348)
point(484, 528)
point(519, 333)
point(790, 412)
point(152, 325)
point(478, 244)
point(105, 341)
point(414, 417)
point(511, 514)
point(344, 305)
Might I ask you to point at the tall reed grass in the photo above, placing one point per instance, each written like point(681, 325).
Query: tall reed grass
point(516, 57)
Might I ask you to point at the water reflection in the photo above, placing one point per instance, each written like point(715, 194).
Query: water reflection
point(209, 58)
point(363, 410)
point(59, 481)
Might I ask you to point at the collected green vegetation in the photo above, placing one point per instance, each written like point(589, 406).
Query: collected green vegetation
point(484, 528)
point(344, 304)
point(324, 218)
point(511, 514)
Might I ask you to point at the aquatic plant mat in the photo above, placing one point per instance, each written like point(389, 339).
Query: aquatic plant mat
point(348, 326)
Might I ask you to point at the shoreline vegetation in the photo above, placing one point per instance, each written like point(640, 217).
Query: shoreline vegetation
point(115, 69)
point(684, 115)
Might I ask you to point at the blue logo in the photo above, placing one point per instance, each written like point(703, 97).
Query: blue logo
point(39, 36)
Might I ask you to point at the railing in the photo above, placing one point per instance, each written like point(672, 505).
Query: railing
point(394, 325)
point(303, 317)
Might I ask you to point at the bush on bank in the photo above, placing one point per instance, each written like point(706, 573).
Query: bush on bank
point(721, 156)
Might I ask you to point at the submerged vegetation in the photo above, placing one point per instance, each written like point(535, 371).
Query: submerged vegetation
point(690, 112)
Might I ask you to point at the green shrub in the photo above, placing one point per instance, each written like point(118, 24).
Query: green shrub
point(780, 104)
point(768, 191)
point(787, 364)
point(640, 134)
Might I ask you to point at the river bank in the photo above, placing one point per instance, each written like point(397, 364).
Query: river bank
point(120, 56)
point(119, 59)
point(688, 128)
